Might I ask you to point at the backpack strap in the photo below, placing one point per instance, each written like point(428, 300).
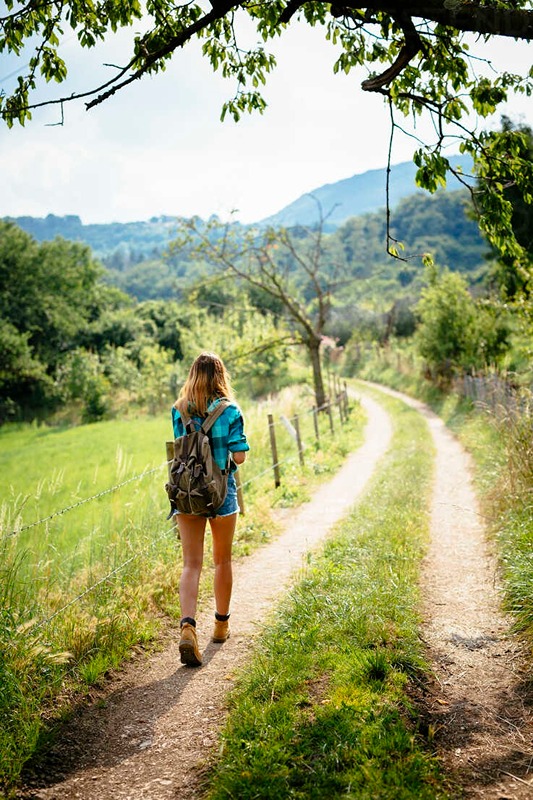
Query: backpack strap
point(213, 415)
point(188, 424)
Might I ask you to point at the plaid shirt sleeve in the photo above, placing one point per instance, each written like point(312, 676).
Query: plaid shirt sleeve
point(226, 435)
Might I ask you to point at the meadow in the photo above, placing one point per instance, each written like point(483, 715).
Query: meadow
point(90, 563)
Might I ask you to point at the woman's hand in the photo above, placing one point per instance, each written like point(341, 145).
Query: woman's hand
point(239, 457)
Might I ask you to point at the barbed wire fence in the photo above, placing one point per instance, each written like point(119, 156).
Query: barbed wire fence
point(340, 401)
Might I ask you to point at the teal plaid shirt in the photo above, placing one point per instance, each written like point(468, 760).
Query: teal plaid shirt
point(226, 435)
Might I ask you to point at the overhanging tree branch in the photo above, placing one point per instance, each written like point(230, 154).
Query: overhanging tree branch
point(413, 45)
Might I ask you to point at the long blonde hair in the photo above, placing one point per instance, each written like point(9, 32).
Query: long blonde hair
point(207, 380)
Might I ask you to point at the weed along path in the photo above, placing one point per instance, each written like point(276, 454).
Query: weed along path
point(150, 733)
point(478, 707)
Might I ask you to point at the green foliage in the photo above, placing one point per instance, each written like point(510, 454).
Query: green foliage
point(37, 297)
point(510, 505)
point(68, 337)
point(50, 296)
point(455, 332)
point(253, 346)
point(20, 373)
point(512, 273)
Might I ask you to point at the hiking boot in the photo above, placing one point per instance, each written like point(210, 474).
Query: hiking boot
point(221, 632)
point(189, 652)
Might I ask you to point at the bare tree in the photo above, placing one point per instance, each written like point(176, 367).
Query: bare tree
point(292, 266)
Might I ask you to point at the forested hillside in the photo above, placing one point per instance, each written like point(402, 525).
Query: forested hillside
point(131, 242)
point(128, 241)
point(73, 331)
point(360, 194)
point(437, 224)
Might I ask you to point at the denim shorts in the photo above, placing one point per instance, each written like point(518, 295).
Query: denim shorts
point(230, 505)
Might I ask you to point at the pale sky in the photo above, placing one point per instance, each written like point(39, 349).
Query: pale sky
point(158, 146)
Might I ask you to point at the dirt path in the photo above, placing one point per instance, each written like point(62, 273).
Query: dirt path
point(479, 706)
point(161, 720)
point(156, 727)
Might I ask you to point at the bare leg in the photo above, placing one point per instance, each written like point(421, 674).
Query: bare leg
point(192, 531)
point(223, 529)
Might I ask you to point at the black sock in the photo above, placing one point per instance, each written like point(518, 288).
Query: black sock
point(221, 617)
point(190, 620)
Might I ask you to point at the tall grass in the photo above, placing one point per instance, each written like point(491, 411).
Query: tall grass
point(323, 710)
point(510, 501)
point(82, 588)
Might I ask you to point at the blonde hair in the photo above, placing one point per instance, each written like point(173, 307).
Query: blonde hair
point(207, 380)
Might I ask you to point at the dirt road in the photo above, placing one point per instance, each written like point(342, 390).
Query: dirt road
point(479, 706)
point(160, 720)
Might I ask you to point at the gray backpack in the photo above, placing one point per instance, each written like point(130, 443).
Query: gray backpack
point(196, 483)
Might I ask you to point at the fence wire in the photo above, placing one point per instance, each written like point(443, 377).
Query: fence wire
point(43, 623)
point(104, 492)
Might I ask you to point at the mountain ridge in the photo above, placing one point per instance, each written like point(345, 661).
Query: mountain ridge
point(362, 193)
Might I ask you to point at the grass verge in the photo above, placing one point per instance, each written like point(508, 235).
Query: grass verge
point(323, 708)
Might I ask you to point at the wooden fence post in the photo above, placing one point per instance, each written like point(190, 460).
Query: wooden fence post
point(315, 421)
point(339, 403)
point(273, 447)
point(299, 440)
point(330, 415)
point(346, 401)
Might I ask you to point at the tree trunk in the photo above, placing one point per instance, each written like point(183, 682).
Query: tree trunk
point(313, 348)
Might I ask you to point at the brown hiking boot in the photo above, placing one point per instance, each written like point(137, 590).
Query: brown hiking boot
point(189, 652)
point(221, 632)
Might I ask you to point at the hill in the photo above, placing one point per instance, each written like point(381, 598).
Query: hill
point(132, 240)
point(438, 224)
point(360, 194)
point(133, 252)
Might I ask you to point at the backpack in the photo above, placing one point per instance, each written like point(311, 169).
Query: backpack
point(196, 483)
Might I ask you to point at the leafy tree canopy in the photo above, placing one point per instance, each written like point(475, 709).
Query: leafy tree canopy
point(455, 332)
point(514, 277)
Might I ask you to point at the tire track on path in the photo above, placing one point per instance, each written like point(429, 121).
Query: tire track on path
point(479, 706)
point(148, 739)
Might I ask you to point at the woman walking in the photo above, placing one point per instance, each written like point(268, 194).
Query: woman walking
point(207, 384)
